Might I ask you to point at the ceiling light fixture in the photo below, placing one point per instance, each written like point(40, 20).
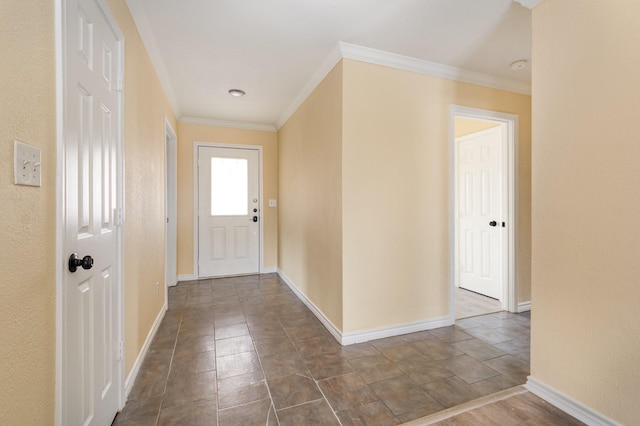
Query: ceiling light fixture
point(237, 92)
point(519, 64)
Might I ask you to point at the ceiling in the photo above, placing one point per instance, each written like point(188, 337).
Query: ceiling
point(277, 50)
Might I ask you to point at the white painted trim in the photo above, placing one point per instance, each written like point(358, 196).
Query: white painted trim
point(529, 4)
point(524, 307)
point(146, 33)
point(196, 197)
point(393, 60)
point(567, 404)
point(226, 123)
point(323, 70)
point(187, 277)
point(143, 351)
point(396, 330)
point(60, 234)
point(510, 125)
point(171, 207)
point(331, 328)
point(366, 335)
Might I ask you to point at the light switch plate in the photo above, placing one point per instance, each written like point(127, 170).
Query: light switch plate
point(273, 203)
point(26, 164)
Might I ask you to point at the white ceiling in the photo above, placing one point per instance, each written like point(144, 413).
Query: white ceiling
point(276, 49)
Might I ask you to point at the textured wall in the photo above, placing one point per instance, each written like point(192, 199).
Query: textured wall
point(396, 191)
point(28, 229)
point(190, 133)
point(145, 107)
point(586, 229)
point(310, 180)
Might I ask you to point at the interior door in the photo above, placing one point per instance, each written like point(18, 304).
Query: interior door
point(91, 379)
point(228, 211)
point(479, 212)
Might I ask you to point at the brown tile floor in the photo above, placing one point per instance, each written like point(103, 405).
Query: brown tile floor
point(245, 351)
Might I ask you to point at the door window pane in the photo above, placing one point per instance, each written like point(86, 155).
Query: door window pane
point(229, 187)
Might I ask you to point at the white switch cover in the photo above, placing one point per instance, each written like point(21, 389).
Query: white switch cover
point(26, 164)
point(273, 203)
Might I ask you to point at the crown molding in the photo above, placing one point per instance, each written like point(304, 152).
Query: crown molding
point(323, 70)
point(530, 4)
point(226, 123)
point(392, 60)
point(406, 63)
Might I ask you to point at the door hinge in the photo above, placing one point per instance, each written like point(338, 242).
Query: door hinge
point(121, 351)
point(120, 83)
point(118, 219)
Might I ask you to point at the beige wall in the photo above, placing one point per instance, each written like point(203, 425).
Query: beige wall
point(27, 233)
point(27, 340)
point(310, 176)
point(146, 107)
point(188, 134)
point(396, 191)
point(585, 275)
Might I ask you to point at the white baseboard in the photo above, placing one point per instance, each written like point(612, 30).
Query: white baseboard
point(364, 336)
point(524, 307)
point(317, 312)
point(187, 277)
point(128, 384)
point(271, 270)
point(396, 330)
point(567, 404)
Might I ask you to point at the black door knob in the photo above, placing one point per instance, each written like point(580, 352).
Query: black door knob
point(255, 218)
point(74, 261)
point(493, 223)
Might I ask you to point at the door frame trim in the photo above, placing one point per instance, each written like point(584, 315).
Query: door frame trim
point(61, 102)
point(170, 203)
point(196, 196)
point(509, 123)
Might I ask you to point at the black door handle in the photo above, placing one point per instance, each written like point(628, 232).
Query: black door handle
point(255, 218)
point(493, 223)
point(74, 261)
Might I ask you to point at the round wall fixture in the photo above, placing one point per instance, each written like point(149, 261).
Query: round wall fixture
point(237, 92)
point(519, 64)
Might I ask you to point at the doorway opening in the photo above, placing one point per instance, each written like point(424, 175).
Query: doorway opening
point(483, 149)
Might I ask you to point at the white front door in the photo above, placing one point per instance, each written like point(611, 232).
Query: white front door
point(91, 379)
point(480, 212)
point(228, 211)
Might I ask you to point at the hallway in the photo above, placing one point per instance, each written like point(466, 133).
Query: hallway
point(246, 351)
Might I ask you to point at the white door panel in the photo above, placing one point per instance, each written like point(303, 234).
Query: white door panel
point(91, 381)
point(228, 211)
point(479, 206)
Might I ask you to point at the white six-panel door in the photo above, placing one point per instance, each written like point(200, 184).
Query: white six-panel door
point(228, 211)
point(479, 212)
point(91, 382)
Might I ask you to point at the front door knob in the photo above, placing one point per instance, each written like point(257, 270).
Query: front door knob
point(493, 223)
point(74, 261)
point(255, 218)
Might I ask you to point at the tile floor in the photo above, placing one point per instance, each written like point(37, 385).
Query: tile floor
point(470, 304)
point(245, 351)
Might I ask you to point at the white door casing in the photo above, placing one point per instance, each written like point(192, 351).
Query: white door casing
point(509, 166)
point(171, 211)
point(480, 213)
point(228, 241)
point(90, 190)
